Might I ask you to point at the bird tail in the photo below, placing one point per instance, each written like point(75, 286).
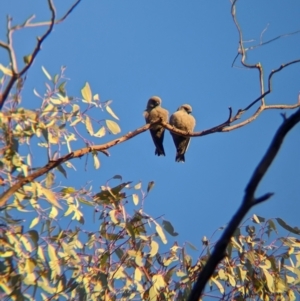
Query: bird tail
point(160, 151)
point(180, 158)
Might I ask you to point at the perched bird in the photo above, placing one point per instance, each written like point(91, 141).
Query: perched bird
point(182, 120)
point(153, 112)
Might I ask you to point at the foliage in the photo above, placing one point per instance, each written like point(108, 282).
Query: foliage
point(51, 254)
point(48, 254)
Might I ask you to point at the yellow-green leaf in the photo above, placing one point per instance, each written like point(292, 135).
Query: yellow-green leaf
point(46, 73)
point(26, 243)
point(154, 248)
point(52, 253)
point(53, 213)
point(135, 199)
point(218, 284)
point(96, 97)
point(27, 58)
point(34, 222)
point(270, 280)
point(6, 254)
point(89, 125)
point(112, 215)
point(113, 127)
point(255, 219)
point(110, 111)
point(40, 253)
point(86, 93)
point(50, 196)
point(158, 282)
point(96, 161)
point(78, 119)
point(137, 274)
point(6, 288)
point(5, 70)
point(30, 265)
point(100, 133)
point(138, 186)
point(161, 233)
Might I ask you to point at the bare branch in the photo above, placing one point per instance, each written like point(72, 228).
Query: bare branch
point(46, 23)
point(242, 51)
point(274, 39)
point(248, 202)
point(9, 47)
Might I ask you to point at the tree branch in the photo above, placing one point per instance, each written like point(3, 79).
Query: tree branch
point(248, 202)
point(76, 154)
point(46, 23)
point(9, 47)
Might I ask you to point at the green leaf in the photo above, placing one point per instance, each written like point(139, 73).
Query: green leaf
point(117, 177)
point(27, 59)
point(62, 170)
point(46, 73)
point(113, 127)
point(61, 88)
point(130, 230)
point(86, 93)
point(110, 111)
point(68, 190)
point(34, 235)
point(169, 228)
point(284, 225)
point(150, 186)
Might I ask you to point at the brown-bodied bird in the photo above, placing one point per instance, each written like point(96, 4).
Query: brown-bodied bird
point(182, 120)
point(153, 112)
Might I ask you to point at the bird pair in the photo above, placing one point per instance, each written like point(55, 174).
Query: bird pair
point(181, 119)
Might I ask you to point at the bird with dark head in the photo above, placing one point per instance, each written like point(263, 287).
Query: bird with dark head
point(153, 112)
point(182, 120)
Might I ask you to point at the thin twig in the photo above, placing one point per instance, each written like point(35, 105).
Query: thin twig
point(46, 23)
point(9, 47)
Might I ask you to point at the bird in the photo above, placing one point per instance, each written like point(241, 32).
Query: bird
point(153, 112)
point(182, 120)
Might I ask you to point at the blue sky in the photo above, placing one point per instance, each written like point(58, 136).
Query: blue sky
point(182, 52)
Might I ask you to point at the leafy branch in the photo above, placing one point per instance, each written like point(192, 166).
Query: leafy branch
point(15, 74)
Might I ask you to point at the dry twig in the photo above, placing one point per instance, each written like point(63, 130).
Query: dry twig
point(11, 52)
